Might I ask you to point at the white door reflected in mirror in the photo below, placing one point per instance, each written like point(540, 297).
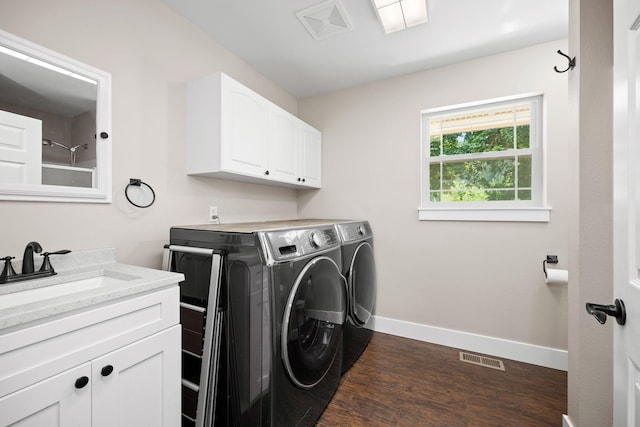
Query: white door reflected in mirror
point(55, 126)
point(20, 149)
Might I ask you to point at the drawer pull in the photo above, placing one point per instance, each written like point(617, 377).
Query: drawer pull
point(82, 381)
point(106, 371)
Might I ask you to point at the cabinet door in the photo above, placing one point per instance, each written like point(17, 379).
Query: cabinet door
point(56, 401)
point(139, 385)
point(245, 129)
point(311, 156)
point(283, 150)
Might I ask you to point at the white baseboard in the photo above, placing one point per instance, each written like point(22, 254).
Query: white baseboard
point(522, 352)
point(566, 422)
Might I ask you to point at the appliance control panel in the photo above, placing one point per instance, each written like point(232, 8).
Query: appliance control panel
point(352, 231)
point(284, 245)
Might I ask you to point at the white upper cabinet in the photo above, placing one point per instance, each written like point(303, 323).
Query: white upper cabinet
point(234, 133)
point(284, 145)
point(310, 156)
point(244, 129)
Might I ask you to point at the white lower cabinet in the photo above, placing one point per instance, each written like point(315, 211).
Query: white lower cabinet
point(53, 402)
point(118, 377)
point(129, 385)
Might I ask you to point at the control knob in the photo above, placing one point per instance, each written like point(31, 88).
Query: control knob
point(315, 239)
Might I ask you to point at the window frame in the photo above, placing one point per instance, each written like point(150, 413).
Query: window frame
point(534, 210)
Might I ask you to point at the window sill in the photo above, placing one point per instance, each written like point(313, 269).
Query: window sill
point(485, 214)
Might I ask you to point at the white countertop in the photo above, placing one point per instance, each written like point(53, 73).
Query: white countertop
point(129, 281)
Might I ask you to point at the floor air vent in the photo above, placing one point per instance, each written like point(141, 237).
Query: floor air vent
point(481, 360)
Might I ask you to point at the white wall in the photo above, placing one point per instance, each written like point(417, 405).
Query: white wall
point(151, 53)
point(478, 277)
point(482, 278)
point(590, 379)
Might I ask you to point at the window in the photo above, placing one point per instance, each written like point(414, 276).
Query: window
point(483, 161)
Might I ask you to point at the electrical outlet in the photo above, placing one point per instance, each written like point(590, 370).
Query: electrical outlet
point(213, 215)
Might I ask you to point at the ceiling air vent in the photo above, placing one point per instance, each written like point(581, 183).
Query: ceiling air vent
point(325, 20)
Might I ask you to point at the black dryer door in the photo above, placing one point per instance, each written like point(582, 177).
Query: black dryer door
point(362, 284)
point(312, 323)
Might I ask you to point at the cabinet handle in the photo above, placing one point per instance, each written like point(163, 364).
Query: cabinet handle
point(106, 371)
point(82, 381)
point(299, 179)
point(304, 180)
point(104, 135)
point(266, 172)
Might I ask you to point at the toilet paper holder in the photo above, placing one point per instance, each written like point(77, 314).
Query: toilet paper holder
point(551, 259)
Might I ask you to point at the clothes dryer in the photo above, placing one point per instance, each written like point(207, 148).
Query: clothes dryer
point(282, 308)
point(359, 270)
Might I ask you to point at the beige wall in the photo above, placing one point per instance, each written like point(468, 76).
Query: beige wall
point(482, 278)
point(151, 53)
point(478, 277)
point(590, 377)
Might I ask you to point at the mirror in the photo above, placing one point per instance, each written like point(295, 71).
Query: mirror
point(55, 126)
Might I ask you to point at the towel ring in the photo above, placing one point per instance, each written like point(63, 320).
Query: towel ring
point(139, 193)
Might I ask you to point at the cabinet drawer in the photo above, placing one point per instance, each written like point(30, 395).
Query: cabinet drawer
point(36, 352)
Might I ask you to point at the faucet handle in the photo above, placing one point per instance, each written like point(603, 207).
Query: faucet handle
point(46, 263)
point(60, 252)
point(8, 270)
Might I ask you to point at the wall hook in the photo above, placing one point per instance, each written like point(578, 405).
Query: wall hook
point(572, 63)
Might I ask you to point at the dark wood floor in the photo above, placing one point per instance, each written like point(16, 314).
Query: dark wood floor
point(403, 382)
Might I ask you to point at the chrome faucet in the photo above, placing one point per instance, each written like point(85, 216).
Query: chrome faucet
point(27, 258)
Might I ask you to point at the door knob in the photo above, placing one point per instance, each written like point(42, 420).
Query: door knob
point(600, 312)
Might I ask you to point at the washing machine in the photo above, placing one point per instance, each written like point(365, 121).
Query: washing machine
point(359, 270)
point(276, 328)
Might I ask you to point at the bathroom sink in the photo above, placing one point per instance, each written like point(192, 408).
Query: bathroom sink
point(42, 293)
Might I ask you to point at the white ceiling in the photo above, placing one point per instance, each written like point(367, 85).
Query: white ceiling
point(268, 36)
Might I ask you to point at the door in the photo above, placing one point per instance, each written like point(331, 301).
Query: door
point(627, 211)
point(20, 149)
point(312, 324)
point(362, 285)
point(311, 156)
point(245, 129)
point(62, 400)
point(283, 145)
point(139, 384)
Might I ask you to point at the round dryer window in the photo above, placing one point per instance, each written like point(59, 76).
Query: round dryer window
point(362, 284)
point(312, 324)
